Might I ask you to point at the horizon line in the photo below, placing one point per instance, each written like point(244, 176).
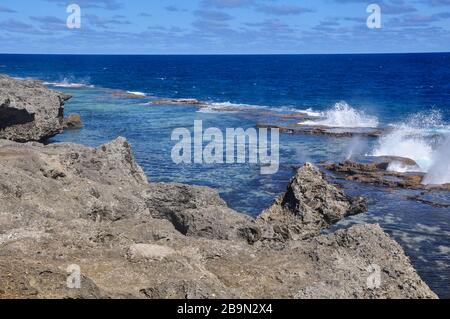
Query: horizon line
point(226, 54)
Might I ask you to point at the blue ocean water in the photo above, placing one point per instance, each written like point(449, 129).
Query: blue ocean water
point(386, 85)
point(409, 93)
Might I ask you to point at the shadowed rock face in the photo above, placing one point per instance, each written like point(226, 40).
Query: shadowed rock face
point(29, 111)
point(10, 116)
point(66, 204)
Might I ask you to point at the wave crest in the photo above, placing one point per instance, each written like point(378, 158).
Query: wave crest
point(343, 115)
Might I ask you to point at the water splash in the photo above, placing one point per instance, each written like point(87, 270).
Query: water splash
point(69, 83)
point(343, 115)
point(418, 138)
point(356, 148)
point(439, 172)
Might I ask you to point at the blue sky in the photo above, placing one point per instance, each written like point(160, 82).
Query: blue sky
point(223, 26)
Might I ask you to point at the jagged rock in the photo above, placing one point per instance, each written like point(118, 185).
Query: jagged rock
point(70, 180)
point(67, 204)
point(29, 111)
point(72, 122)
point(309, 205)
point(361, 254)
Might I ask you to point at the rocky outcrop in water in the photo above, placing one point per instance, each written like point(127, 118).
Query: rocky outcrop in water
point(193, 102)
point(65, 206)
point(290, 128)
point(381, 171)
point(72, 122)
point(29, 111)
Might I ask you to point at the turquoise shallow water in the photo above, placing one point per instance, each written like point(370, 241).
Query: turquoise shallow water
point(389, 88)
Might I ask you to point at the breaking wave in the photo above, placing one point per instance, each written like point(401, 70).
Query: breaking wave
point(343, 115)
point(423, 138)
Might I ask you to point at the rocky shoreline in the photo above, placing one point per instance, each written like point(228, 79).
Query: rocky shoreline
point(64, 204)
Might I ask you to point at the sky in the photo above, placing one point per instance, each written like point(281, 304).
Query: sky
point(224, 27)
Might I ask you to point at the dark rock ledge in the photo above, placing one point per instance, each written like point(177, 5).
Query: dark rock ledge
point(66, 204)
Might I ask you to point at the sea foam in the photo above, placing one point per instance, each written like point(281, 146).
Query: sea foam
point(211, 107)
point(67, 83)
point(137, 93)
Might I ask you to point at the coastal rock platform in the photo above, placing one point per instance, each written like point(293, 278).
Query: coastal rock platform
point(378, 171)
point(296, 128)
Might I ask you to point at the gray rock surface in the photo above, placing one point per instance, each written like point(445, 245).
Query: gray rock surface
point(67, 204)
point(29, 111)
point(199, 212)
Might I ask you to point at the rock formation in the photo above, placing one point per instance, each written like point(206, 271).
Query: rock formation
point(29, 111)
point(72, 122)
point(309, 205)
point(66, 204)
point(69, 210)
point(377, 171)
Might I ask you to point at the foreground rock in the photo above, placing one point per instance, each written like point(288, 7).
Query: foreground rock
point(309, 205)
point(66, 205)
point(29, 111)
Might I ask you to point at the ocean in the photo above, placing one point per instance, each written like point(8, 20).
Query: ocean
point(407, 93)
